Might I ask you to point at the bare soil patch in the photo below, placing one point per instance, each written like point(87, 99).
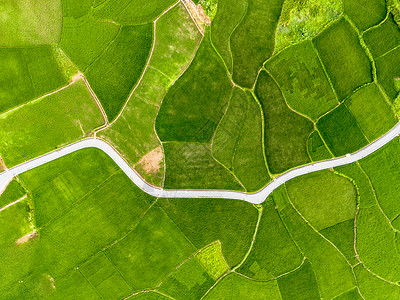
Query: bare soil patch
point(151, 162)
point(26, 238)
point(2, 165)
point(198, 15)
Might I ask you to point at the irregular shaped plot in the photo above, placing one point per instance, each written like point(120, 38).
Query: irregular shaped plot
point(132, 11)
point(369, 105)
point(237, 143)
point(388, 71)
point(64, 116)
point(13, 192)
point(343, 57)
point(115, 73)
point(316, 147)
point(286, 132)
point(302, 79)
point(302, 20)
point(341, 131)
point(133, 132)
point(229, 15)
point(323, 198)
point(383, 38)
point(235, 286)
point(205, 221)
point(30, 22)
point(151, 251)
point(299, 284)
point(372, 287)
point(274, 252)
point(195, 104)
point(212, 260)
point(191, 166)
point(252, 42)
point(332, 271)
point(365, 13)
point(27, 73)
point(342, 236)
point(85, 39)
point(188, 281)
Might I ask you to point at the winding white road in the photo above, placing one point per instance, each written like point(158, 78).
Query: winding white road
point(254, 198)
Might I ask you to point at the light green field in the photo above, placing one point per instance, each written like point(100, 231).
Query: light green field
point(13, 192)
point(133, 133)
point(64, 116)
point(30, 22)
point(323, 198)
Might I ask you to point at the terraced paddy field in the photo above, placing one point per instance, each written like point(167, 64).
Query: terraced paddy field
point(199, 95)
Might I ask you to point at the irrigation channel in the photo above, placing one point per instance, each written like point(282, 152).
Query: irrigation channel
point(255, 198)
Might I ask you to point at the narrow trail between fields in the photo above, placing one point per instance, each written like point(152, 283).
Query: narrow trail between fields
point(255, 198)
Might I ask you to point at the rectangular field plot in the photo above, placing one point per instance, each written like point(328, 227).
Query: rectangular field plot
point(365, 13)
point(191, 166)
point(300, 284)
point(344, 58)
point(383, 38)
point(45, 124)
point(388, 71)
point(235, 286)
point(286, 132)
point(151, 251)
point(30, 22)
point(302, 79)
point(341, 132)
point(27, 73)
point(369, 105)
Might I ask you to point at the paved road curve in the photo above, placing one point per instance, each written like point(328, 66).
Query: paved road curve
point(255, 198)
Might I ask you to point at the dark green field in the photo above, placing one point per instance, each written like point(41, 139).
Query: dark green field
point(388, 71)
point(286, 132)
point(344, 59)
point(365, 13)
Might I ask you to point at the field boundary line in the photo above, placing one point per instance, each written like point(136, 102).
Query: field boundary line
point(12, 203)
point(185, 3)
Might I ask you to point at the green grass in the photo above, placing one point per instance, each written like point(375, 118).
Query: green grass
point(151, 251)
point(342, 236)
point(30, 22)
point(388, 70)
point(13, 192)
point(191, 166)
point(368, 105)
point(350, 295)
point(114, 74)
point(252, 42)
point(132, 11)
point(104, 277)
point(237, 143)
point(333, 273)
point(55, 190)
point(300, 284)
point(27, 73)
point(323, 198)
point(302, 79)
point(65, 116)
point(235, 286)
point(304, 19)
point(195, 104)
point(205, 221)
point(149, 296)
point(274, 252)
point(344, 58)
point(341, 131)
point(76, 8)
point(229, 14)
point(85, 39)
point(385, 177)
point(133, 133)
point(212, 260)
point(383, 38)
point(316, 148)
point(365, 13)
point(188, 281)
point(286, 132)
point(372, 287)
